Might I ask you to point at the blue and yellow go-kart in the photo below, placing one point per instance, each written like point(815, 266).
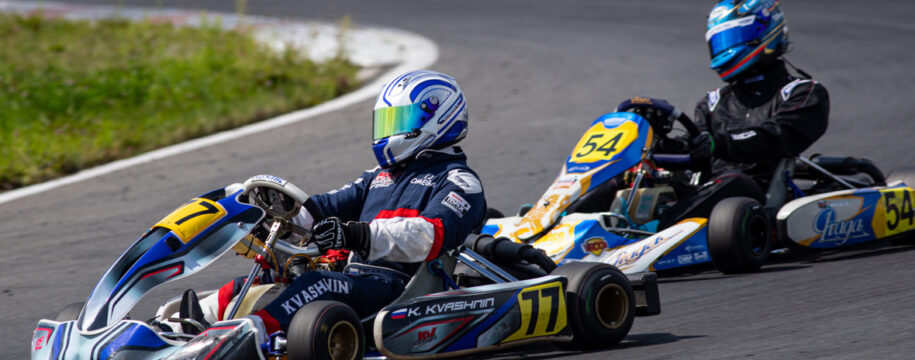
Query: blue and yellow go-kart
point(585, 305)
point(818, 203)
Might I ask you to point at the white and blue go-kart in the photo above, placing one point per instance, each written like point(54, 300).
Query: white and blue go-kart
point(817, 203)
point(517, 296)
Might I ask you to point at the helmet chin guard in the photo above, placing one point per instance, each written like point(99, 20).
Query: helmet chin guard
point(416, 111)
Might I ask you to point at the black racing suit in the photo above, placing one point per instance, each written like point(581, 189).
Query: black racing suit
point(755, 122)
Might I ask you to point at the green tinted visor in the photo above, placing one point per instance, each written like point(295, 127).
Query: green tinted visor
point(397, 120)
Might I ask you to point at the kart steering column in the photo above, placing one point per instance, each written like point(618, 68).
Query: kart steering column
point(639, 175)
point(271, 239)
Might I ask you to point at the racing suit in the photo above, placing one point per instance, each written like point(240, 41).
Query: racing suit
point(415, 212)
point(755, 122)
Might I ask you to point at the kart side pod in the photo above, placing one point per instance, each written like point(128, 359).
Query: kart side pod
point(475, 319)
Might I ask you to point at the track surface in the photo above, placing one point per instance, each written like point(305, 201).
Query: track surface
point(536, 73)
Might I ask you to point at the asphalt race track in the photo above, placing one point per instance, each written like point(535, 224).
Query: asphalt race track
point(536, 73)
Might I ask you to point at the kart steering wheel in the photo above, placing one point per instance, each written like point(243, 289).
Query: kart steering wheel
point(278, 197)
point(662, 126)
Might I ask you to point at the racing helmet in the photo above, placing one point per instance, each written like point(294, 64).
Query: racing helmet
point(416, 111)
point(743, 34)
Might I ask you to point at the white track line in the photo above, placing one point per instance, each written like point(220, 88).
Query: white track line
point(423, 53)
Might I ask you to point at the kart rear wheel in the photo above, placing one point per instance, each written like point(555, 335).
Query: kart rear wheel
point(70, 312)
point(739, 235)
point(325, 330)
point(600, 303)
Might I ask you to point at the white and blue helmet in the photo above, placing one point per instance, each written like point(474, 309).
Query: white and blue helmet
point(416, 111)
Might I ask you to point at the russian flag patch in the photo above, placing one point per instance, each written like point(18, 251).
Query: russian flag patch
point(399, 314)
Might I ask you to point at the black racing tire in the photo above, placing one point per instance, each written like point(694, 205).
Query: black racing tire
point(739, 235)
point(600, 303)
point(325, 330)
point(69, 312)
point(493, 213)
point(906, 175)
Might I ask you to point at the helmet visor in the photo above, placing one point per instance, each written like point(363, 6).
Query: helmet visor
point(728, 34)
point(396, 120)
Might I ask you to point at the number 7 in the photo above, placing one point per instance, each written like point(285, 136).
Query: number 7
point(209, 209)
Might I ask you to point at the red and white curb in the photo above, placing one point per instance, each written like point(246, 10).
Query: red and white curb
point(372, 48)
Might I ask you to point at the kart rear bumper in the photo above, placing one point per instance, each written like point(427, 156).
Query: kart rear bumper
point(647, 298)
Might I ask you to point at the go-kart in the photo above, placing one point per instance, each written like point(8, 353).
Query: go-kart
point(819, 202)
point(584, 305)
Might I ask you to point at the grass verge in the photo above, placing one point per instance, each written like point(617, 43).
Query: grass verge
point(78, 93)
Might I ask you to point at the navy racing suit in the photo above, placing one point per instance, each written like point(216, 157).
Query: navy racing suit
point(415, 212)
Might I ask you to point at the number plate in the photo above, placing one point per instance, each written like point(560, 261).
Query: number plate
point(543, 311)
point(894, 213)
point(192, 218)
point(600, 143)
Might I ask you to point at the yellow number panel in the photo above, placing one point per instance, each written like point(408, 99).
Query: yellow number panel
point(600, 143)
point(894, 213)
point(188, 220)
point(543, 311)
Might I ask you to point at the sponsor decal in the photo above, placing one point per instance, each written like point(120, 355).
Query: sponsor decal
point(664, 262)
point(383, 179)
point(836, 231)
point(314, 291)
point(693, 248)
point(424, 336)
point(427, 180)
point(565, 182)
point(822, 204)
point(466, 181)
point(629, 258)
point(685, 259)
point(701, 256)
point(456, 203)
point(595, 246)
point(713, 97)
point(477, 304)
point(744, 135)
point(579, 168)
point(274, 179)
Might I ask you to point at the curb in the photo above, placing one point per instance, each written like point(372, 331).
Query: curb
point(372, 48)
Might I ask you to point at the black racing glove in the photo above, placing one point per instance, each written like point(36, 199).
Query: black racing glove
point(333, 233)
point(702, 147)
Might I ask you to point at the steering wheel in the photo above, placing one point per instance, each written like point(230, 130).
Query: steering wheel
point(278, 197)
point(662, 126)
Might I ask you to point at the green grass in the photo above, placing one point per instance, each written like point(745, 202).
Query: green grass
point(74, 94)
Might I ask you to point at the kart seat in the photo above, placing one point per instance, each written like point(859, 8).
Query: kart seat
point(847, 165)
point(426, 282)
point(191, 314)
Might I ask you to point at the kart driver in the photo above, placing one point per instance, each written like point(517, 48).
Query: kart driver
point(762, 114)
point(420, 201)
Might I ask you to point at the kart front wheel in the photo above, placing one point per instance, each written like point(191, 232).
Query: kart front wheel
point(739, 235)
point(69, 312)
point(325, 330)
point(600, 303)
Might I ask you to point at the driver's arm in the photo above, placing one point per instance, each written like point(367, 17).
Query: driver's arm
point(453, 211)
point(344, 203)
point(800, 118)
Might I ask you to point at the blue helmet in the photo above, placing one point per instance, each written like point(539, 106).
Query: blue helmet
point(744, 34)
point(418, 110)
